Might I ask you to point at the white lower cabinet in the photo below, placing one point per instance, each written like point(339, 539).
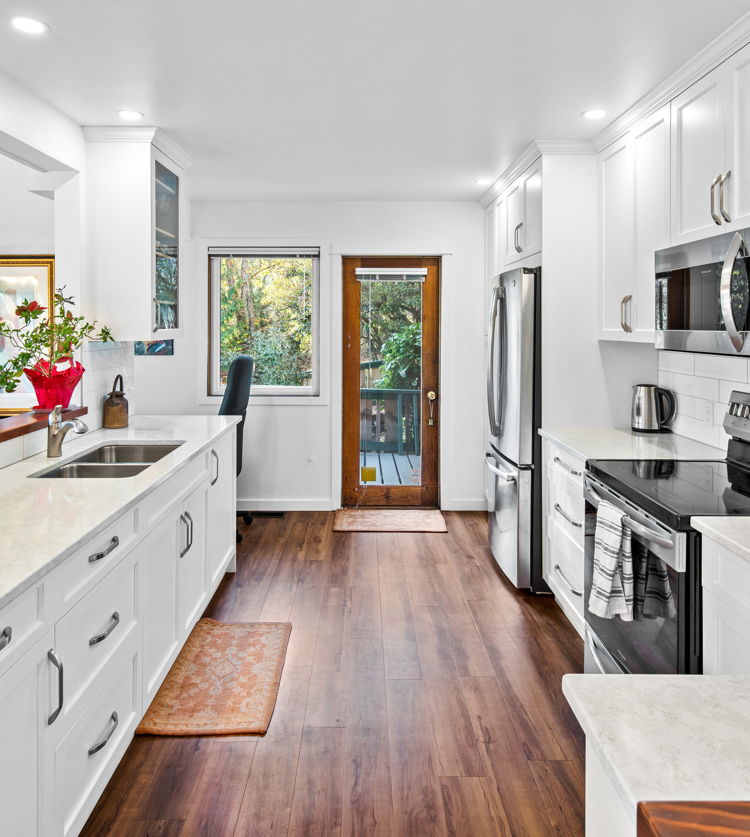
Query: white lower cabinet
point(83, 651)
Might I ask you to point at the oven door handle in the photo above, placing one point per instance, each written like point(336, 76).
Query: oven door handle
point(638, 528)
point(594, 655)
point(736, 248)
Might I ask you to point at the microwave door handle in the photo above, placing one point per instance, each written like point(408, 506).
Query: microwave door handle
point(492, 331)
point(714, 183)
point(736, 248)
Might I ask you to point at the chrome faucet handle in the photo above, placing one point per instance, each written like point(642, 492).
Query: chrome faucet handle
point(55, 417)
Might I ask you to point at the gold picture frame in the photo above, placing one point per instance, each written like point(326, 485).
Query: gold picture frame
point(23, 277)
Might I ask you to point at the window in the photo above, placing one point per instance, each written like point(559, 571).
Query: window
point(264, 303)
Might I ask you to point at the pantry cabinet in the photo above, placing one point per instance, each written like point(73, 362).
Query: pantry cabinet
point(634, 223)
point(136, 225)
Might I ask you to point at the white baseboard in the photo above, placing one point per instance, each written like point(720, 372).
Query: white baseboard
point(281, 504)
point(470, 504)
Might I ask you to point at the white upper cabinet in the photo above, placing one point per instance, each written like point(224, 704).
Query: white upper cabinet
point(136, 224)
point(634, 223)
point(523, 216)
point(738, 184)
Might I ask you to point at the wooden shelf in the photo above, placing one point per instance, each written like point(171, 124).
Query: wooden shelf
point(23, 423)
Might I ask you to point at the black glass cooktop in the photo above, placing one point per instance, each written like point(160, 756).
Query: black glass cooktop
point(675, 491)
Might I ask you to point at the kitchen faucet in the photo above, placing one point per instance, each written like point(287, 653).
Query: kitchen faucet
point(57, 429)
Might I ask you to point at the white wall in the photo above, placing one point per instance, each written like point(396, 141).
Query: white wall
point(27, 220)
point(702, 385)
point(292, 457)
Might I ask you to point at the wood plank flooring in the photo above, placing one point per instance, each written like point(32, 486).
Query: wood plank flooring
point(421, 696)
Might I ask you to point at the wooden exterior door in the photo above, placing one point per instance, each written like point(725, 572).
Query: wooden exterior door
point(391, 374)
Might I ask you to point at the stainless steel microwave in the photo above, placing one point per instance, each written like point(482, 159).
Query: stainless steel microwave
point(703, 296)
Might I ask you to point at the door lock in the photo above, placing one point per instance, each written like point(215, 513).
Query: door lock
point(431, 396)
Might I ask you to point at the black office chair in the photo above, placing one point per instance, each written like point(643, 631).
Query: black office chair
point(234, 403)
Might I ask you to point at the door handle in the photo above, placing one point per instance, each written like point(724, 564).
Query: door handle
point(623, 323)
point(517, 246)
point(114, 622)
point(722, 208)
point(216, 457)
point(97, 556)
point(736, 248)
point(190, 530)
point(714, 183)
point(491, 332)
point(57, 663)
point(114, 720)
point(184, 551)
point(5, 637)
point(504, 475)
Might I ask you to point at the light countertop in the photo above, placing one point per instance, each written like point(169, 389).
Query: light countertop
point(44, 520)
point(667, 737)
point(619, 443)
point(731, 532)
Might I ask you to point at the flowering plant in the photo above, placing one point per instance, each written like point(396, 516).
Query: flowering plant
point(40, 343)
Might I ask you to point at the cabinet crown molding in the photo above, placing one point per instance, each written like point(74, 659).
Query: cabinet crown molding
point(147, 134)
point(533, 151)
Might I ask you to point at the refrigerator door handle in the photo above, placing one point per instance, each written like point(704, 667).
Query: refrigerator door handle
point(504, 475)
point(492, 331)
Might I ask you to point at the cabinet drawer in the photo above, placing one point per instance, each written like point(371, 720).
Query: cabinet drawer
point(566, 507)
point(560, 463)
point(21, 624)
point(94, 630)
point(565, 560)
point(85, 758)
point(726, 575)
point(85, 568)
point(159, 502)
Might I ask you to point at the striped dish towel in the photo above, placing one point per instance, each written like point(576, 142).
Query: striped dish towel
point(612, 583)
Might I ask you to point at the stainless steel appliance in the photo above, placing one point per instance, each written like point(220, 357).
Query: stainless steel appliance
point(658, 500)
point(514, 410)
point(652, 410)
point(703, 296)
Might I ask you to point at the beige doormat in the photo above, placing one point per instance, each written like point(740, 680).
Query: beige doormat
point(223, 682)
point(389, 520)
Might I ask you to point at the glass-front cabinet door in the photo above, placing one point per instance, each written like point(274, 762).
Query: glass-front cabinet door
point(166, 248)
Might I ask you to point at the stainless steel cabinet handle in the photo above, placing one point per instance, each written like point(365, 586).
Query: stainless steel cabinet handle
point(113, 721)
point(97, 556)
point(216, 457)
point(95, 640)
point(570, 470)
point(561, 511)
point(190, 531)
point(518, 247)
point(183, 519)
point(570, 587)
point(57, 663)
point(714, 183)
point(5, 637)
point(736, 248)
point(623, 323)
point(722, 208)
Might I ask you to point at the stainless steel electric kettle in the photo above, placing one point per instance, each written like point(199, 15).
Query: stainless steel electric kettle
point(653, 408)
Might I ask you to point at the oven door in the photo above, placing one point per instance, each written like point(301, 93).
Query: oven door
point(656, 641)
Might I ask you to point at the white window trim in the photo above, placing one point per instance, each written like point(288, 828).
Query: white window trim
point(263, 393)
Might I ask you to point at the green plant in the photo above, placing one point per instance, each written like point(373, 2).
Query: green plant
point(402, 359)
point(42, 342)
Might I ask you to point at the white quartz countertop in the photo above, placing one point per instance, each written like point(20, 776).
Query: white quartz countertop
point(731, 532)
point(43, 520)
point(618, 443)
point(661, 737)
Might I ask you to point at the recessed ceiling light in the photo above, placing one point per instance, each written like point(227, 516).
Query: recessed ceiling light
point(29, 25)
point(130, 115)
point(483, 181)
point(596, 113)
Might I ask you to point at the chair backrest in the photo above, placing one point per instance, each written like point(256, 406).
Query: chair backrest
point(236, 396)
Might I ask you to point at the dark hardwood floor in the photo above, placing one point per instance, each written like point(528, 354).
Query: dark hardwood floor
point(420, 696)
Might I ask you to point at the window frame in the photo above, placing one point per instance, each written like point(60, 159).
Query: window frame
point(214, 390)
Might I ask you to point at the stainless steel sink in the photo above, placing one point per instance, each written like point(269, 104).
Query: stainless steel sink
point(94, 470)
point(131, 453)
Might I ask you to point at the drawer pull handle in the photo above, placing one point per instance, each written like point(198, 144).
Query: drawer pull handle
point(567, 583)
point(570, 470)
point(560, 510)
point(114, 721)
point(97, 556)
point(188, 521)
point(95, 640)
point(57, 663)
point(5, 637)
point(216, 457)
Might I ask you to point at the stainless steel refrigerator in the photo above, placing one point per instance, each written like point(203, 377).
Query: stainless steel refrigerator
point(513, 458)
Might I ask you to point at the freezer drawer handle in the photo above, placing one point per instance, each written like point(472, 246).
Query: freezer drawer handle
point(502, 474)
point(570, 587)
point(561, 511)
point(570, 470)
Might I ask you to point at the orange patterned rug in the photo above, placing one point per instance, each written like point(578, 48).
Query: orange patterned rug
point(389, 520)
point(223, 682)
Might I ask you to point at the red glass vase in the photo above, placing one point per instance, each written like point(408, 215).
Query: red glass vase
point(53, 385)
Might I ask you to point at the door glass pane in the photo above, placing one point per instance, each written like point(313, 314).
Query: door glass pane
point(166, 220)
point(390, 382)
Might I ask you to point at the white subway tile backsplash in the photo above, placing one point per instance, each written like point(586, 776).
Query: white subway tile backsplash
point(698, 387)
point(694, 429)
point(720, 409)
point(666, 379)
point(723, 367)
point(11, 451)
point(685, 405)
point(677, 362)
point(727, 387)
point(34, 443)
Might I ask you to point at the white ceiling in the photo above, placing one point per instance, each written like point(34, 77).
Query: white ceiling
point(385, 99)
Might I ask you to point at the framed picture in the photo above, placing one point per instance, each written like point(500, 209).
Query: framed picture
point(22, 277)
point(153, 347)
